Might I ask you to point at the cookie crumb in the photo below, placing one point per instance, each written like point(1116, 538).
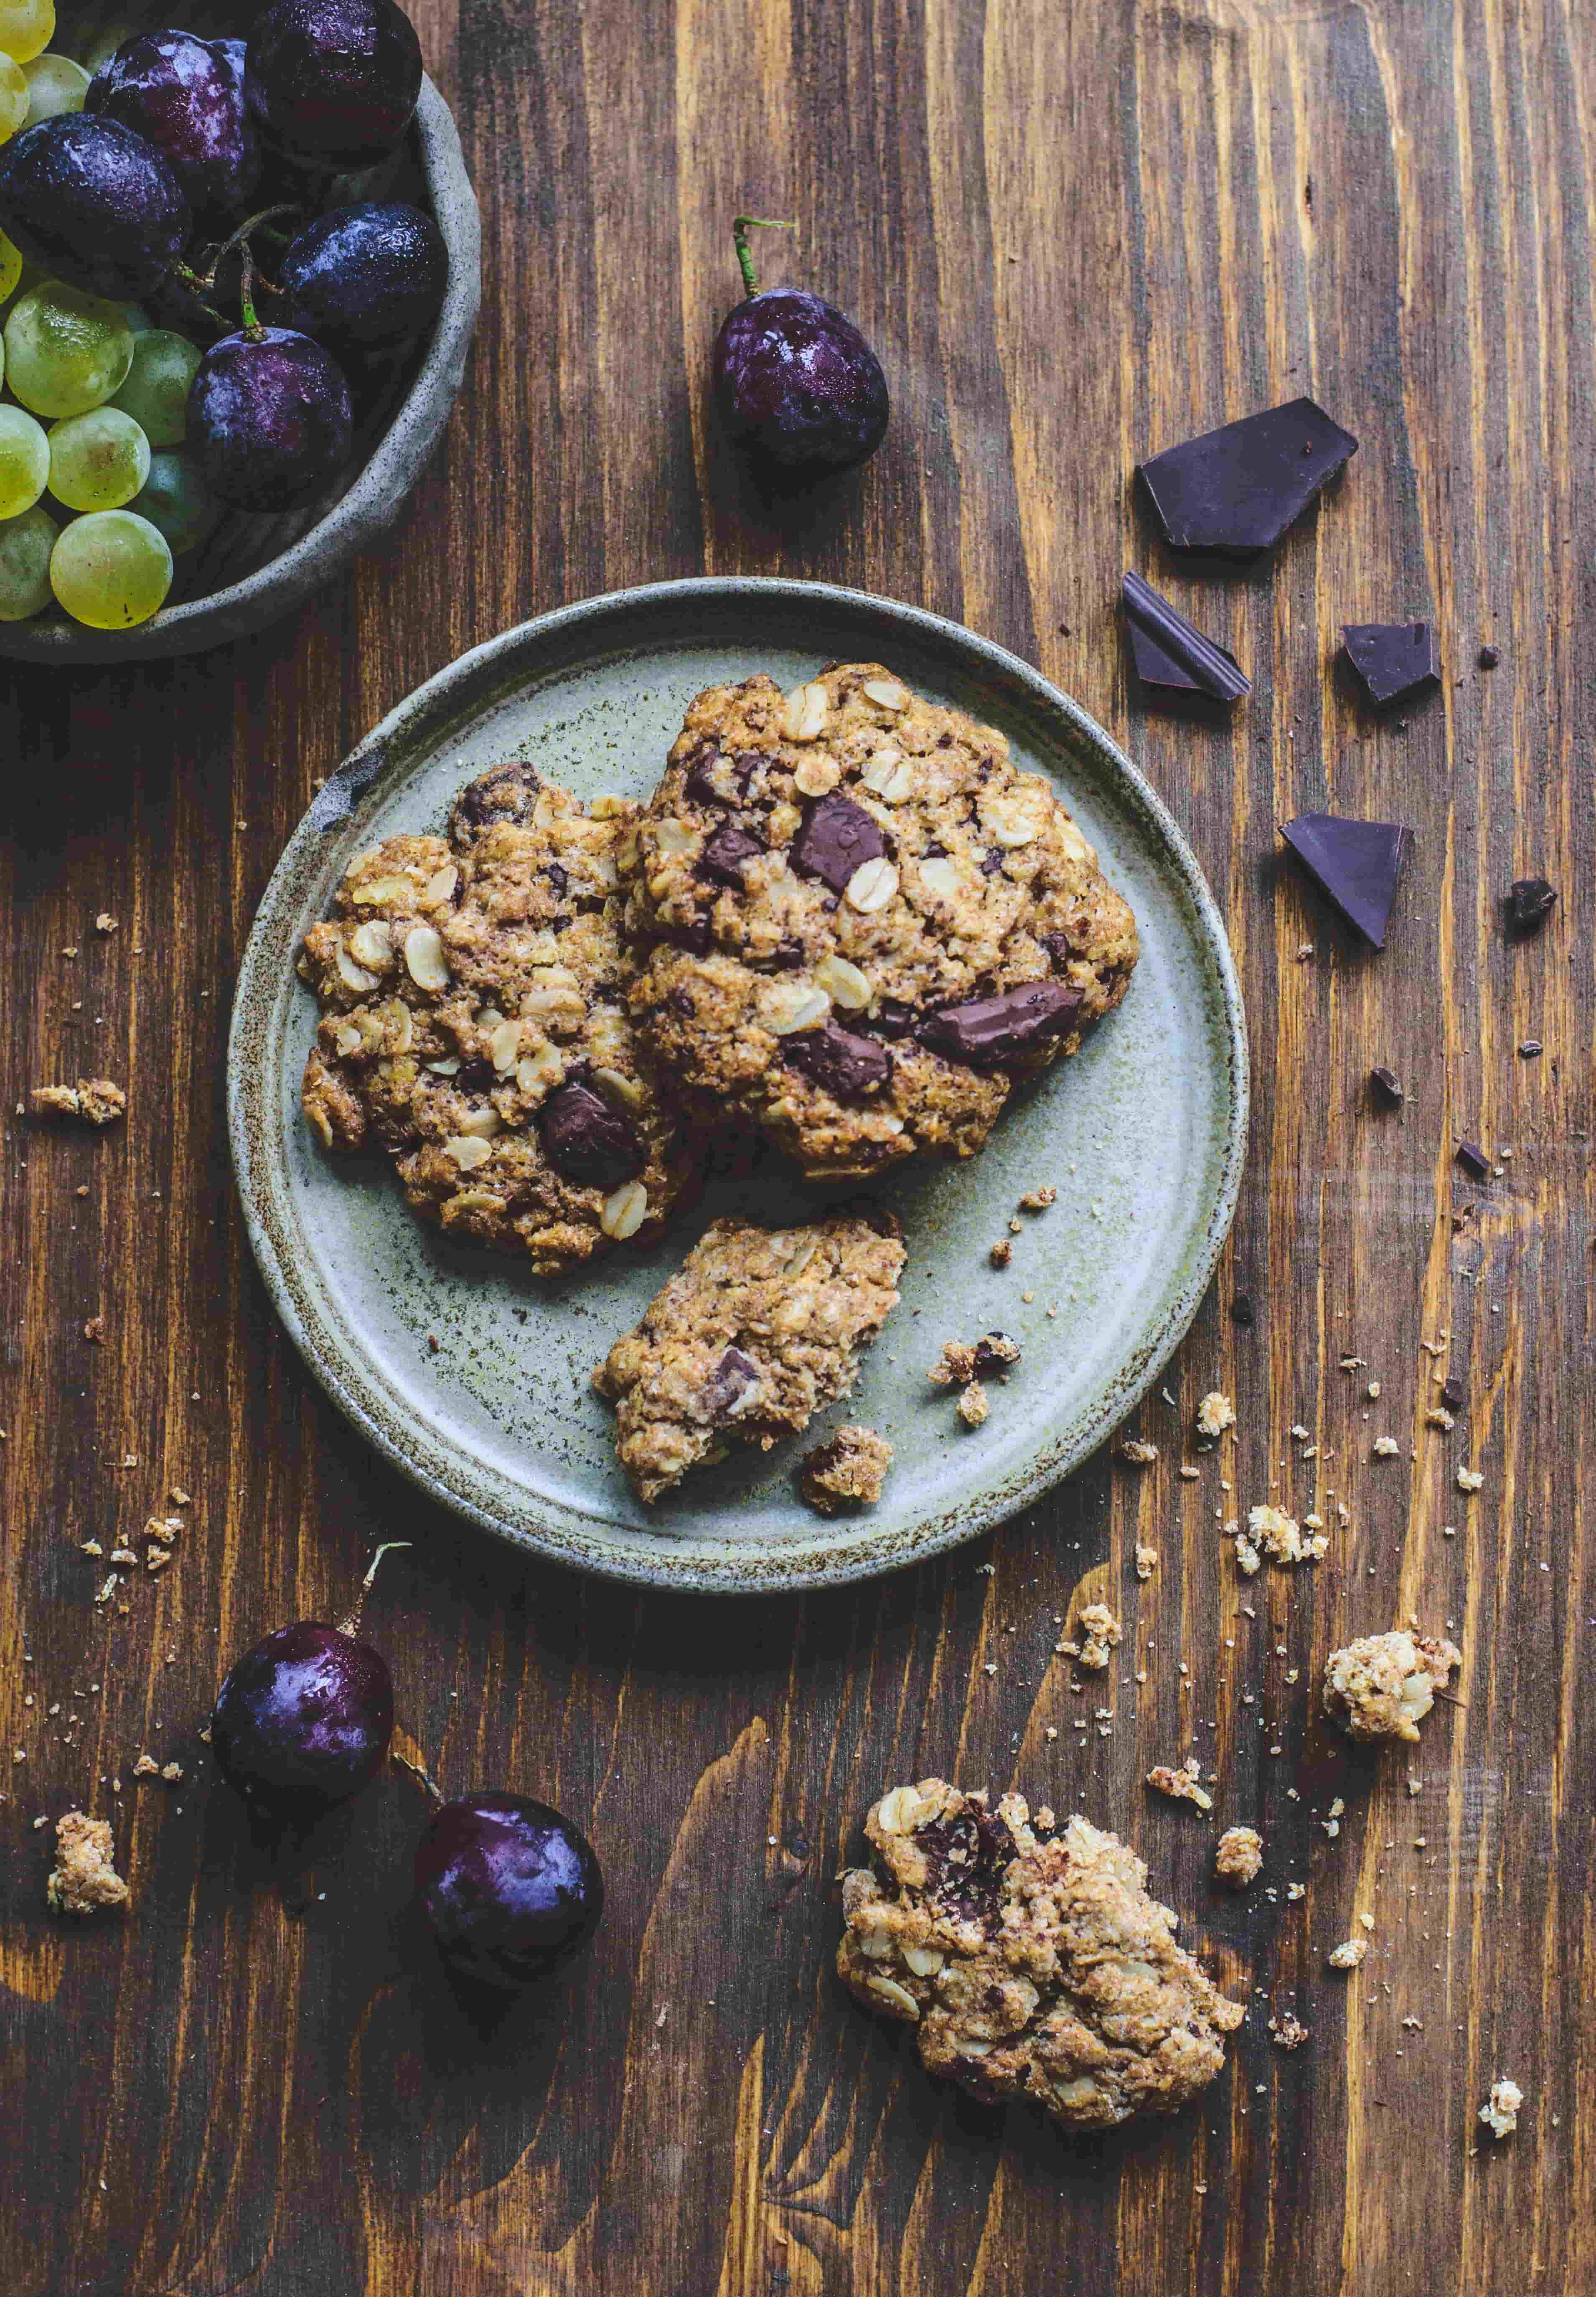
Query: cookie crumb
point(96, 1100)
point(1237, 1856)
point(1280, 1536)
point(1469, 1479)
point(1001, 1253)
point(1182, 1786)
point(847, 1470)
point(95, 1332)
point(1101, 1635)
point(1147, 1560)
point(1215, 1413)
point(1286, 2032)
point(1037, 1200)
point(1352, 1954)
point(1383, 1686)
point(1385, 1447)
point(84, 1877)
point(973, 1405)
point(1135, 1451)
point(1499, 2112)
point(105, 923)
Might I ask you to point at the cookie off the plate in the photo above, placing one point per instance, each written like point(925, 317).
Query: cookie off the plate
point(860, 923)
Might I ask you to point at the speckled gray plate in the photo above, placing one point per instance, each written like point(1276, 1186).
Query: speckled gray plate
point(1142, 1135)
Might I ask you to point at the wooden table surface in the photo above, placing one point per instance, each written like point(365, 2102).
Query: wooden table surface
point(1076, 234)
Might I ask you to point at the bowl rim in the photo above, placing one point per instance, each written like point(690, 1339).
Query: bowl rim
point(423, 714)
point(374, 498)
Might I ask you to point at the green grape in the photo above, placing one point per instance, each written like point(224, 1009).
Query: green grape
point(111, 570)
point(98, 461)
point(13, 98)
point(24, 462)
point(25, 27)
point(65, 351)
point(177, 498)
point(11, 268)
point(26, 544)
point(55, 83)
point(156, 392)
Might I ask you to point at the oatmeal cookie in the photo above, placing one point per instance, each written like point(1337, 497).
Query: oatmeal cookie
point(757, 1331)
point(849, 1470)
point(1383, 1686)
point(475, 1027)
point(859, 924)
point(1029, 1958)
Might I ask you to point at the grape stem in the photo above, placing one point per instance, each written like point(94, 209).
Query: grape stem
point(199, 289)
point(350, 1626)
point(434, 1793)
point(741, 226)
point(252, 325)
point(239, 238)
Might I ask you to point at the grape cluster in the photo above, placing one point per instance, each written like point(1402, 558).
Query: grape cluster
point(143, 189)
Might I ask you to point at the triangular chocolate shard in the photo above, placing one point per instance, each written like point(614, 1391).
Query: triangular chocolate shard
point(1356, 864)
point(1169, 651)
point(1237, 489)
point(1394, 661)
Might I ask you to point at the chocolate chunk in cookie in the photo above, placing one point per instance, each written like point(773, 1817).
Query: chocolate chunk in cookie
point(759, 1330)
point(474, 1026)
point(850, 866)
point(1028, 1958)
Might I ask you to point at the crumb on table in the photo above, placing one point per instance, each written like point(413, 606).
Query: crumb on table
point(973, 1405)
point(85, 1877)
point(1136, 1451)
point(1383, 1686)
point(1237, 1856)
point(96, 1100)
point(1147, 1560)
point(1286, 2032)
point(1215, 1413)
point(1001, 1253)
point(1182, 1786)
point(1280, 1536)
point(1350, 1954)
point(1499, 2112)
point(1037, 1200)
point(1101, 1633)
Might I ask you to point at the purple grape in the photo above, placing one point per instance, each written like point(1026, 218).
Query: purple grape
point(364, 275)
point(333, 81)
point(303, 1720)
point(269, 417)
point(184, 96)
point(93, 203)
point(797, 385)
point(510, 1888)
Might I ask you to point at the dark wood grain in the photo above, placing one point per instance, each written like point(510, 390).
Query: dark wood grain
point(1076, 236)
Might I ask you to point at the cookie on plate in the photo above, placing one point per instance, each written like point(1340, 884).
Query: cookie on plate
point(759, 1328)
point(860, 923)
point(1029, 1958)
point(475, 1026)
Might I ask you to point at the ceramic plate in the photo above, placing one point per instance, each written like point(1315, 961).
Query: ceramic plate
point(1142, 1135)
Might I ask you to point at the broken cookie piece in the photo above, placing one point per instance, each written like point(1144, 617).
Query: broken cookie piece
point(1383, 1686)
point(1350, 1954)
point(846, 1472)
point(1101, 1633)
point(963, 1361)
point(1182, 1786)
point(96, 1100)
point(84, 1877)
point(1237, 1856)
point(1214, 1415)
point(758, 1331)
point(1499, 2112)
point(1281, 1537)
point(1029, 1958)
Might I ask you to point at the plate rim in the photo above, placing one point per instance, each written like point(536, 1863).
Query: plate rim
point(250, 1119)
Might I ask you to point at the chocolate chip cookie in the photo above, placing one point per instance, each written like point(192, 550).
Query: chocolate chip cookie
point(475, 1026)
point(1029, 1958)
point(757, 1330)
point(859, 924)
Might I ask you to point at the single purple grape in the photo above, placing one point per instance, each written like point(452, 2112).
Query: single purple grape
point(92, 203)
point(333, 81)
point(232, 53)
point(183, 95)
point(303, 1720)
point(510, 1888)
point(795, 383)
point(270, 419)
point(364, 275)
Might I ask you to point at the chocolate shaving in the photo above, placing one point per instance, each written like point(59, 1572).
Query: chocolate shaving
point(1474, 1160)
point(1171, 653)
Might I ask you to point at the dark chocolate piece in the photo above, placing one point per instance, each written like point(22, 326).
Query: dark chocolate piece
point(732, 1387)
point(995, 1353)
point(698, 786)
point(1237, 489)
point(846, 1066)
point(1387, 1087)
point(1453, 1394)
point(694, 938)
point(992, 1029)
point(893, 1017)
point(506, 793)
point(1488, 657)
point(587, 1139)
point(1355, 864)
point(1171, 653)
point(1394, 661)
point(1530, 902)
point(1474, 1160)
point(1242, 1311)
point(836, 835)
point(724, 854)
point(557, 876)
point(1531, 1050)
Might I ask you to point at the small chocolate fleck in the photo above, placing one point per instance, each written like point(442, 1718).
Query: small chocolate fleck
point(724, 854)
point(1488, 657)
point(846, 1066)
point(1453, 1392)
point(1474, 1160)
point(991, 1029)
point(732, 1387)
point(587, 1139)
point(1531, 1050)
point(835, 837)
point(786, 956)
point(694, 938)
point(1242, 1311)
point(556, 877)
point(1530, 902)
point(995, 1352)
point(698, 786)
point(993, 863)
point(1387, 1087)
point(679, 1001)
